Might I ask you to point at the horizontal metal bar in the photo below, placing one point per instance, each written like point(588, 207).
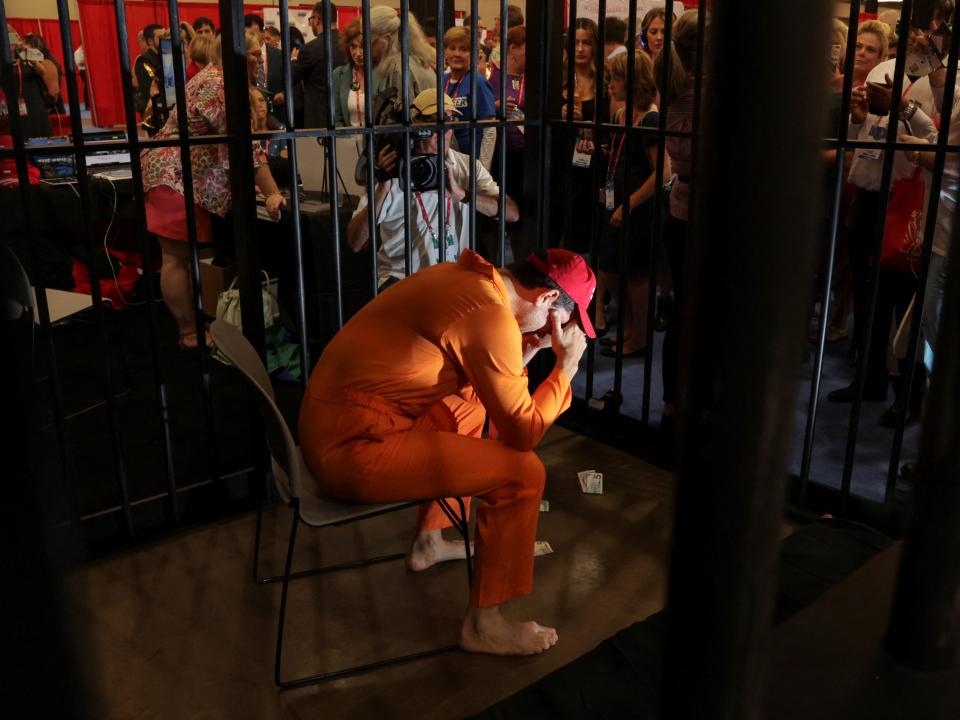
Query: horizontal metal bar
point(165, 495)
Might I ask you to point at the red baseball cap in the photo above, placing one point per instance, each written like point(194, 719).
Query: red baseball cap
point(571, 272)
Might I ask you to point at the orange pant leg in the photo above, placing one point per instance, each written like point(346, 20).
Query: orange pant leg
point(464, 415)
point(393, 460)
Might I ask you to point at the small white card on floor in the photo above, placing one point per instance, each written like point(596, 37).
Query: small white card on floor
point(541, 547)
point(544, 506)
point(591, 482)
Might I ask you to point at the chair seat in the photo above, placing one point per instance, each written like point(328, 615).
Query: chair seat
point(317, 510)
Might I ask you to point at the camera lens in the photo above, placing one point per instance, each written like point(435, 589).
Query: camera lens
point(423, 172)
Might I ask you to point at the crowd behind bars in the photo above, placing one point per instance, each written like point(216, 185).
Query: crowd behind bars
point(627, 193)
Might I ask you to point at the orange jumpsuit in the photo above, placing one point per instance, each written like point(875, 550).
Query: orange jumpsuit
point(395, 408)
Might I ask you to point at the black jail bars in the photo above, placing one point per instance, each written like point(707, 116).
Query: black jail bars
point(726, 374)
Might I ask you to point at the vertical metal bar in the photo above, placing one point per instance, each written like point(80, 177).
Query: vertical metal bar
point(11, 89)
point(302, 329)
point(924, 631)
point(738, 406)
point(596, 217)
point(839, 182)
point(474, 9)
point(405, 98)
point(658, 219)
point(502, 139)
point(885, 182)
point(544, 24)
point(83, 183)
point(441, 153)
point(240, 142)
point(946, 117)
point(332, 160)
point(371, 147)
point(625, 239)
point(146, 264)
point(568, 128)
point(186, 165)
point(242, 178)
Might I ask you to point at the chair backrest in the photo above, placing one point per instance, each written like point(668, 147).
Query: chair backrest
point(242, 355)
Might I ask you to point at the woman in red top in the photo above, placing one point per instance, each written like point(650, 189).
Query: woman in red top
point(163, 184)
point(201, 50)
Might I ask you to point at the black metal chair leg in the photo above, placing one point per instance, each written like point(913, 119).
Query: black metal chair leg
point(256, 546)
point(462, 523)
point(356, 669)
point(283, 592)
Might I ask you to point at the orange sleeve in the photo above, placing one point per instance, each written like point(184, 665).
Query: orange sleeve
point(486, 344)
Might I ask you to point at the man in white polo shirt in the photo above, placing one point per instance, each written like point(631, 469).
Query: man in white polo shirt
point(390, 202)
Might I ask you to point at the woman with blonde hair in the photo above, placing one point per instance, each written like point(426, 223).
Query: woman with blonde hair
point(629, 192)
point(201, 54)
point(386, 58)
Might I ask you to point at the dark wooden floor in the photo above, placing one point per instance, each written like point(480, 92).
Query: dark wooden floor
point(178, 630)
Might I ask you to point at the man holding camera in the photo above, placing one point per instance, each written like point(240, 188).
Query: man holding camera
point(390, 199)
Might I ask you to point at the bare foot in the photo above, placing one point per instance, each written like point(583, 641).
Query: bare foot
point(430, 548)
point(485, 630)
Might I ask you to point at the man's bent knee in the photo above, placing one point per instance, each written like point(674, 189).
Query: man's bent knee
point(531, 470)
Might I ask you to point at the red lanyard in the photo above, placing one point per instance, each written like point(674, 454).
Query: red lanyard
point(446, 88)
point(426, 217)
point(615, 159)
point(523, 80)
point(20, 73)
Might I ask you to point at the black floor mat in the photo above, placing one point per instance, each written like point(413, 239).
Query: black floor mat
point(620, 678)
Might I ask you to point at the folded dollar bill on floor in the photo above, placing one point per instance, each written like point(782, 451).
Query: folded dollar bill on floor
point(541, 547)
point(591, 482)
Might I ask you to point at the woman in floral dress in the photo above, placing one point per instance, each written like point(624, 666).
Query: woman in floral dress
point(163, 185)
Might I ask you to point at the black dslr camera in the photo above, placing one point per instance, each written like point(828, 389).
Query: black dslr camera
point(425, 170)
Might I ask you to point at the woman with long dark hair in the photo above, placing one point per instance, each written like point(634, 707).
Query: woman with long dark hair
point(587, 53)
point(679, 94)
point(51, 73)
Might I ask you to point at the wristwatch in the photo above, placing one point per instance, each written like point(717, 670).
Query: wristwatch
point(909, 110)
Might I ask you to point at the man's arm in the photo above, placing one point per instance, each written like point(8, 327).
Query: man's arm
point(304, 62)
point(487, 344)
point(358, 230)
point(488, 194)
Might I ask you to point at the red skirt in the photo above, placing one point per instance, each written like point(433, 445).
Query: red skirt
point(167, 215)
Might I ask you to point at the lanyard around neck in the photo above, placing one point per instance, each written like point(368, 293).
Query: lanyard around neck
point(426, 216)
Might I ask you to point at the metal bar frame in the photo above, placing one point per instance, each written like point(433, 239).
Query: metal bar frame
point(732, 476)
point(461, 523)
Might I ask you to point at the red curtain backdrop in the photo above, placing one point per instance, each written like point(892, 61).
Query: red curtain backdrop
point(98, 25)
point(49, 30)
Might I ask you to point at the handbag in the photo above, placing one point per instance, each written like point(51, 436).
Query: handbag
point(228, 303)
point(903, 232)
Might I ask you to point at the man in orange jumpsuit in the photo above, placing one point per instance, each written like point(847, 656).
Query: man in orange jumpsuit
point(396, 404)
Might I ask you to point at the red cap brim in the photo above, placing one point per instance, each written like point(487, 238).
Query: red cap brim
point(583, 320)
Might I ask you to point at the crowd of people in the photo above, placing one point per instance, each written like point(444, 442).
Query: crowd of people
point(856, 268)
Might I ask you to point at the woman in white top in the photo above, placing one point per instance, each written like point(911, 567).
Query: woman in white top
point(348, 79)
